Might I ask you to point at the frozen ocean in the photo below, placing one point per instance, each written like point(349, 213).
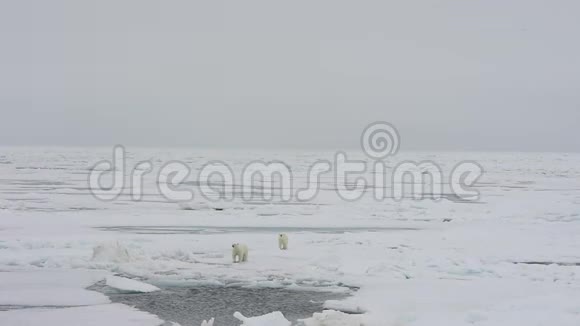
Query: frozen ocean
point(509, 257)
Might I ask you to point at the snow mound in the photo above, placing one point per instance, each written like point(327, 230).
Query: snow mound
point(111, 252)
point(272, 319)
point(128, 285)
point(333, 318)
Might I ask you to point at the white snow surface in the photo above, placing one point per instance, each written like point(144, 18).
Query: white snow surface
point(513, 258)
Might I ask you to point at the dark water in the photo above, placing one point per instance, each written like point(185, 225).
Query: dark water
point(548, 263)
point(190, 306)
point(16, 307)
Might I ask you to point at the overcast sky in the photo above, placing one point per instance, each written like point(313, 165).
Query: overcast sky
point(451, 75)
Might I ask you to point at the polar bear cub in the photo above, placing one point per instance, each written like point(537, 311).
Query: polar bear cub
point(283, 241)
point(239, 252)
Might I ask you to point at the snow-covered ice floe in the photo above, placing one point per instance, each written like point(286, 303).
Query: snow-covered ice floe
point(50, 288)
point(272, 319)
point(99, 315)
point(128, 285)
point(333, 318)
point(49, 297)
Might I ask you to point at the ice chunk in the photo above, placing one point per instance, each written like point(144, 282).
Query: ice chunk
point(128, 285)
point(333, 318)
point(272, 319)
point(207, 323)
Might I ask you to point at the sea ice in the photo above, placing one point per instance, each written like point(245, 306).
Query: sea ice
point(272, 319)
point(128, 285)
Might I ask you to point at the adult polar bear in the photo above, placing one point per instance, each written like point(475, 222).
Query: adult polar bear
point(283, 242)
point(239, 252)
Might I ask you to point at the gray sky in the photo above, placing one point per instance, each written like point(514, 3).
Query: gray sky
point(451, 75)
